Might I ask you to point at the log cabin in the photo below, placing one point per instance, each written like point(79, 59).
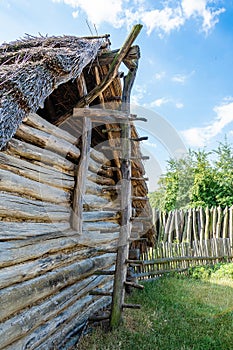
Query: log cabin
point(67, 140)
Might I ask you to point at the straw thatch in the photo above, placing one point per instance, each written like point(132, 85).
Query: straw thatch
point(32, 68)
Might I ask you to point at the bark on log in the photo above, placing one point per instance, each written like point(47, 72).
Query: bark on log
point(37, 154)
point(16, 207)
point(17, 184)
point(94, 216)
point(101, 180)
point(50, 142)
point(99, 157)
point(16, 252)
point(18, 326)
point(92, 202)
point(102, 226)
point(30, 269)
point(14, 299)
point(22, 230)
point(38, 173)
point(39, 123)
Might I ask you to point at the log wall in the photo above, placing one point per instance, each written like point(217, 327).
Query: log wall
point(47, 270)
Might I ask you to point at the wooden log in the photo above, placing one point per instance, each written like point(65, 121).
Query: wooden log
point(50, 142)
point(96, 189)
point(39, 155)
point(16, 207)
point(21, 230)
point(80, 177)
point(43, 286)
point(97, 238)
point(19, 251)
point(97, 168)
point(102, 226)
point(57, 331)
point(131, 306)
point(99, 157)
point(93, 202)
point(202, 224)
point(37, 122)
point(33, 268)
point(17, 184)
point(38, 173)
point(95, 216)
point(101, 180)
point(207, 223)
point(13, 329)
point(134, 285)
point(100, 292)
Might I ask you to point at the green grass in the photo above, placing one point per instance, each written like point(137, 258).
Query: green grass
point(178, 313)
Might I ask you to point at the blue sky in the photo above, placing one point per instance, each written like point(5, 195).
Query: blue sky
point(185, 72)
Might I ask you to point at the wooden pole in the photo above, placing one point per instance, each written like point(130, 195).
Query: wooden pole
point(81, 173)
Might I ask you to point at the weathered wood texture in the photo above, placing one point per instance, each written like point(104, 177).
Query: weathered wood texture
point(47, 270)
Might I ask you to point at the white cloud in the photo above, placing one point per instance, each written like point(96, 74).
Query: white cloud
point(139, 92)
point(181, 78)
point(199, 8)
point(98, 11)
point(201, 136)
point(163, 20)
point(179, 105)
point(159, 102)
point(160, 75)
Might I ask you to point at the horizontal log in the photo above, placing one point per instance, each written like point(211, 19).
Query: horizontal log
point(16, 207)
point(42, 156)
point(97, 239)
point(21, 230)
point(18, 326)
point(37, 173)
point(96, 189)
point(50, 142)
point(15, 298)
point(102, 226)
point(98, 114)
point(62, 334)
point(101, 180)
point(100, 292)
point(95, 202)
point(33, 268)
point(17, 184)
point(19, 251)
point(94, 216)
point(97, 168)
point(99, 157)
point(54, 331)
point(39, 123)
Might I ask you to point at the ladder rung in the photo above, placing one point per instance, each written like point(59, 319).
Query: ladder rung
point(104, 272)
point(134, 285)
point(99, 318)
point(138, 139)
point(131, 306)
point(100, 293)
point(138, 262)
point(139, 198)
point(138, 119)
point(139, 179)
point(140, 158)
point(111, 188)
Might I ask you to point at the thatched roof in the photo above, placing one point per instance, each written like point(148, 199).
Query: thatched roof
point(30, 70)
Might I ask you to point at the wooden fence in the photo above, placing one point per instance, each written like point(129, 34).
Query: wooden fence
point(178, 257)
point(195, 224)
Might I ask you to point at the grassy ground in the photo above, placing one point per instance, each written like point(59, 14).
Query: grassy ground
point(178, 313)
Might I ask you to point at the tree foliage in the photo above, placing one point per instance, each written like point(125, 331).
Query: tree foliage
point(200, 179)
